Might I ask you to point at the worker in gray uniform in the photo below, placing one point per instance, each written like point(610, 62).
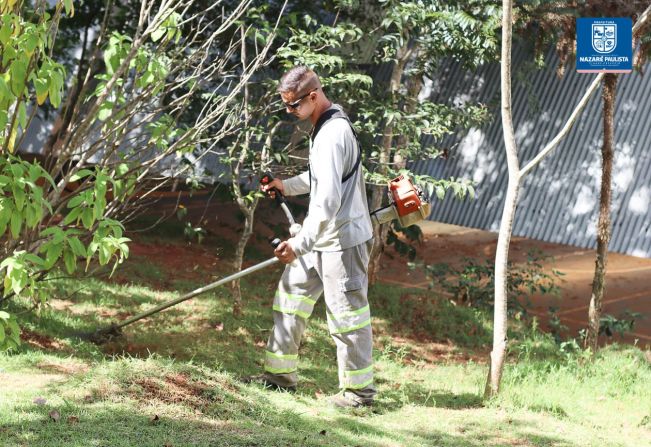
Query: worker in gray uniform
point(330, 254)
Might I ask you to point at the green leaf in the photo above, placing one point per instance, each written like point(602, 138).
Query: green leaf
point(70, 9)
point(41, 86)
point(157, 34)
point(19, 198)
point(87, 218)
point(53, 254)
point(4, 116)
point(70, 260)
point(54, 89)
point(34, 259)
point(77, 247)
point(18, 73)
point(76, 201)
point(31, 217)
point(72, 216)
point(4, 315)
point(80, 174)
point(104, 254)
point(105, 111)
point(7, 284)
point(16, 224)
point(5, 29)
point(17, 171)
point(15, 331)
point(440, 192)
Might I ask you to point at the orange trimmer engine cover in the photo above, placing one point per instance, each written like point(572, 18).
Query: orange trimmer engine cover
point(406, 197)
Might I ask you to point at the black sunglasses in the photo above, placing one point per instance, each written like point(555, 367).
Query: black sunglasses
point(294, 105)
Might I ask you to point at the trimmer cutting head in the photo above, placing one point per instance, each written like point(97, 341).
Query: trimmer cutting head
point(102, 336)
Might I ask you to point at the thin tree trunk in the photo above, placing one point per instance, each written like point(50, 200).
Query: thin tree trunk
point(515, 179)
point(498, 353)
point(414, 86)
point(247, 210)
point(239, 255)
point(603, 226)
point(378, 195)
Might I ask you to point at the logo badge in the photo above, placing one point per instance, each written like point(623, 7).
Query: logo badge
point(604, 45)
point(604, 38)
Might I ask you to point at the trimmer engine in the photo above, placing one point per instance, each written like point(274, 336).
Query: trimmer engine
point(407, 203)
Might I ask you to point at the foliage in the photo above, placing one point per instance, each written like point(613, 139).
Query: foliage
point(473, 283)
point(29, 72)
point(340, 54)
point(127, 116)
point(610, 325)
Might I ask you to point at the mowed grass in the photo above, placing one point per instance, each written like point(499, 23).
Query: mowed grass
point(173, 379)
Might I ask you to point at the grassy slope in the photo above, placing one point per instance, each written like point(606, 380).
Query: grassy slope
point(173, 379)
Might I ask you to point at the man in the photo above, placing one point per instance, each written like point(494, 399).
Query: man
point(331, 252)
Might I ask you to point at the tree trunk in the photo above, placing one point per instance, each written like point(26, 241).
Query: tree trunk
point(498, 353)
point(239, 255)
point(378, 195)
point(414, 86)
point(603, 226)
point(247, 210)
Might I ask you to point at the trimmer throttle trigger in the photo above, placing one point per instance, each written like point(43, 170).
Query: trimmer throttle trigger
point(265, 180)
point(275, 243)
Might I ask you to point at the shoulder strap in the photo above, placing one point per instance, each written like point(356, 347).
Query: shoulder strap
point(326, 116)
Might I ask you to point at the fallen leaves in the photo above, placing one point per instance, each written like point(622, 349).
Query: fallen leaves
point(40, 401)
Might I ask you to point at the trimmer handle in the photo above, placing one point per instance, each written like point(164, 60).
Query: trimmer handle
point(265, 180)
point(275, 243)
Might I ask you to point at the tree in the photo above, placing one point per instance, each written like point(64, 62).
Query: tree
point(251, 150)
point(498, 353)
point(603, 226)
point(414, 37)
point(516, 175)
point(165, 90)
point(558, 22)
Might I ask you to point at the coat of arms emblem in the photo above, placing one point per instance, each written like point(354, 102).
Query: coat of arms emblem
point(604, 37)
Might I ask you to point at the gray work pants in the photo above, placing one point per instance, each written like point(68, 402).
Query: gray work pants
point(342, 278)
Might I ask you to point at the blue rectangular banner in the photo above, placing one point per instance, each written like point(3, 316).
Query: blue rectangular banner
point(604, 45)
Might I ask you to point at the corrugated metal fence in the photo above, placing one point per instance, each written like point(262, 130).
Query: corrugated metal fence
point(559, 199)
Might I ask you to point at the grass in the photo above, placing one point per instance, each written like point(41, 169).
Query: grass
point(173, 379)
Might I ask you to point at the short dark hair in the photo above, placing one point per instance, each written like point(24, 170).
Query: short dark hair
point(298, 79)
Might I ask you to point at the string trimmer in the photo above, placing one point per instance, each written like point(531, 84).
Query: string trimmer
point(115, 330)
point(407, 204)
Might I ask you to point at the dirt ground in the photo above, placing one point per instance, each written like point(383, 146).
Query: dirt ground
point(627, 281)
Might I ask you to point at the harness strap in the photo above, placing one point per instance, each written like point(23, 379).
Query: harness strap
point(326, 116)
